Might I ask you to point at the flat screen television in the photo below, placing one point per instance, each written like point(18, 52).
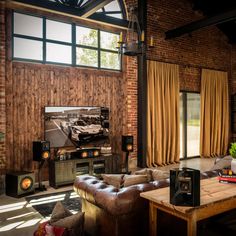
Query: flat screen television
point(79, 127)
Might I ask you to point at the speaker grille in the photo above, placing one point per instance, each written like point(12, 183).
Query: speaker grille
point(45, 155)
point(26, 183)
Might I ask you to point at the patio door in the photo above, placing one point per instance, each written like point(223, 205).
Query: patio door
point(189, 124)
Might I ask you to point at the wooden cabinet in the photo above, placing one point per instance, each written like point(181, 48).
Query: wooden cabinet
point(64, 172)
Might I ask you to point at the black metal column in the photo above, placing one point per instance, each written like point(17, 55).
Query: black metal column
point(142, 90)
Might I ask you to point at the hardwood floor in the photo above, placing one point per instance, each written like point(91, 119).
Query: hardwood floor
point(202, 164)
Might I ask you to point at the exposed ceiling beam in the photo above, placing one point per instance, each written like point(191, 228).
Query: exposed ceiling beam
point(56, 7)
point(92, 6)
point(208, 21)
point(111, 20)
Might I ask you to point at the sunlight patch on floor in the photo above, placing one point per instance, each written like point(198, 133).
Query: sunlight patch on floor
point(12, 207)
point(10, 226)
point(29, 223)
point(22, 215)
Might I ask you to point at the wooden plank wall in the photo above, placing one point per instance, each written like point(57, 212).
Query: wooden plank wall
point(31, 87)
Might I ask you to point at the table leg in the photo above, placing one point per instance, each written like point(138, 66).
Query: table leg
point(152, 219)
point(192, 227)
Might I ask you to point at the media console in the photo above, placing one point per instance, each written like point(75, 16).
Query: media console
point(63, 172)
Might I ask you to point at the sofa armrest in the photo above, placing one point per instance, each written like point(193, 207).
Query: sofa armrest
point(113, 200)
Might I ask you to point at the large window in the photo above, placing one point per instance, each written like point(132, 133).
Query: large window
point(48, 41)
point(189, 124)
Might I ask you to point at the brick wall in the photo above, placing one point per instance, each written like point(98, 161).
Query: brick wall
point(2, 96)
point(204, 48)
point(2, 85)
point(132, 92)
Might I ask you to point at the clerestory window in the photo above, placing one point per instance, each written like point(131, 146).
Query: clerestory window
point(44, 40)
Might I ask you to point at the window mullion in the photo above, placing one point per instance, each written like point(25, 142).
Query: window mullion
point(44, 40)
point(185, 124)
point(99, 49)
point(73, 48)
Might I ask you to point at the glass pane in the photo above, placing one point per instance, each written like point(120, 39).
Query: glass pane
point(58, 53)
point(86, 36)
point(110, 60)
point(119, 16)
point(58, 31)
point(112, 6)
point(28, 25)
point(181, 125)
point(28, 49)
point(86, 57)
point(109, 40)
point(193, 124)
point(84, 2)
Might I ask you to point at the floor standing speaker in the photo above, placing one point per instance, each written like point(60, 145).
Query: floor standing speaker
point(127, 143)
point(19, 183)
point(41, 150)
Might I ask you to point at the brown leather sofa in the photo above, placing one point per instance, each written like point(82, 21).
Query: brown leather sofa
point(111, 211)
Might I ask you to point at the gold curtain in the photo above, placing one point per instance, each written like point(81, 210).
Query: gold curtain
point(214, 113)
point(162, 113)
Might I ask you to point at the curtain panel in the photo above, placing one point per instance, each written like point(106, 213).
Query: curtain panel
point(163, 145)
point(214, 122)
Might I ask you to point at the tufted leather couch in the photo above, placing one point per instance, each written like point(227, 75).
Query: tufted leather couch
point(111, 211)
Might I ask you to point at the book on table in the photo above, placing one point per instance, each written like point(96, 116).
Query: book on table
point(227, 179)
point(227, 176)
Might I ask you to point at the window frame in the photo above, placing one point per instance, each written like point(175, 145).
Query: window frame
point(185, 125)
point(73, 44)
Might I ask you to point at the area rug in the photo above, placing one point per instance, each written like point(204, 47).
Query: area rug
point(45, 203)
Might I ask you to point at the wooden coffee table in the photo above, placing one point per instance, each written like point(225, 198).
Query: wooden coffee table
point(215, 198)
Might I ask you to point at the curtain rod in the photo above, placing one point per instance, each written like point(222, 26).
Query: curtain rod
point(188, 65)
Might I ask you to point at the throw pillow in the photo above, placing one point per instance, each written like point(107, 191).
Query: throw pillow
point(134, 179)
point(45, 229)
point(145, 171)
point(160, 174)
point(74, 224)
point(59, 212)
point(115, 180)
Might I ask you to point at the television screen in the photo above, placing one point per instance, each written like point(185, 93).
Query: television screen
point(77, 126)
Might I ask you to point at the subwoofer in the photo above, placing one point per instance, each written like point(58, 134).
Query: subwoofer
point(41, 150)
point(185, 187)
point(127, 143)
point(19, 183)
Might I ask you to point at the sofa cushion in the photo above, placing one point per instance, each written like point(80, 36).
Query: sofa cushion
point(160, 174)
point(145, 171)
point(134, 179)
point(222, 163)
point(115, 180)
point(59, 212)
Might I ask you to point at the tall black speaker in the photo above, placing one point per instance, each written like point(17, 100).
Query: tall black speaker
point(41, 150)
point(19, 183)
point(127, 143)
point(185, 187)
